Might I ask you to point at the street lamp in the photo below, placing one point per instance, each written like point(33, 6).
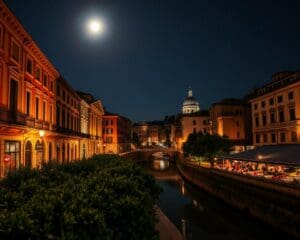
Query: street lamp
point(42, 133)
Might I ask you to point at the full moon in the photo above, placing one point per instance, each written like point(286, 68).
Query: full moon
point(95, 26)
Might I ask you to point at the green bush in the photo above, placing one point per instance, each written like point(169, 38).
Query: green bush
point(106, 197)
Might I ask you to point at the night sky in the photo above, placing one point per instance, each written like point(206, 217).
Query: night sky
point(152, 50)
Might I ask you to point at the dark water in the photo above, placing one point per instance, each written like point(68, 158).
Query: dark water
point(206, 217)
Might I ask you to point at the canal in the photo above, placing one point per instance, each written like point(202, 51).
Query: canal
point(205, 216)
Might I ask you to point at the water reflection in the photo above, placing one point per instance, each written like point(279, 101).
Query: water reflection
point(160, 164)
point(205, 217)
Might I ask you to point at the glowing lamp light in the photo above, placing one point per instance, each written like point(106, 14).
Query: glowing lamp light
point(42, 133)
point(260, 157)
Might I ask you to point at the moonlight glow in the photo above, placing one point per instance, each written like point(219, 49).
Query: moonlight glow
point(95, 27)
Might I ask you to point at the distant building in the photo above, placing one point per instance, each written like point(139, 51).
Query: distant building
point(276, 110)
point(91, 118)
point(116, 133)
point(232, 118)
point(190, 104)
point(194, 123)
point(150, 133)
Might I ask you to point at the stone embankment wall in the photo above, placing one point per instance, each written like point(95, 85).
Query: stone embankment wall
point(275, 204)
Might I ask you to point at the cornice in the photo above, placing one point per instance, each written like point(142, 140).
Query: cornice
point(14, 26)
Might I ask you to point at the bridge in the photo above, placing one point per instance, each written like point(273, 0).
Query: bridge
point(147, 153)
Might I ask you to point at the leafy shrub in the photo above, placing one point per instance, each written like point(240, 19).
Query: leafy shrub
point(106, 197)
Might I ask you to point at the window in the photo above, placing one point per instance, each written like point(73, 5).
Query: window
point(279, 99)
point(291, 95)
point(44, 111)
point(282, 137)
point(29, 66)
point(273, 137)
point(264, 120)
point(265, 136)
point(294, 136)
point(38, 73)
point(64, 95)
point(292, 114)
point(51, 86)
point(28, 103)
point(37, 108)
point(272, 117)
point(257, 138)
point(263, 104)
point(194, 122)
point(58, 90)
point(15, 51)
point(255, 106)
point(281, 115)
point(45, 80)
point(51, 113)
point(256, 121)
point(12, 152)
point(57, 115)
point(68, 99)
point(108, 140)
point(271, 101)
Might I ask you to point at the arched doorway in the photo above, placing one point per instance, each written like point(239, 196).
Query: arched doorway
point(40, 150)
point(63, 153)
point(50, 152)
point(28, 154)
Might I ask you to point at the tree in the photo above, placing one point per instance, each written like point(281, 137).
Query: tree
point(206, 145)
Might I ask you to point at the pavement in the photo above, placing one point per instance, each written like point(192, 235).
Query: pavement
point(167, 230)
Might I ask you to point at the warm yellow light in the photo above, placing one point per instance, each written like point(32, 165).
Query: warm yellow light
point(259, 157)
point(42, 133)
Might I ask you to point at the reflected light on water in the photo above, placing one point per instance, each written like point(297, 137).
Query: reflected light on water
point(182, 188)
point(159, 164)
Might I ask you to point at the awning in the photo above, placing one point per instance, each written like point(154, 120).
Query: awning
point(288, 154)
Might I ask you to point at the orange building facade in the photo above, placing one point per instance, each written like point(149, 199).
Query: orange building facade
point(276, 110)
point(232, 118)
point(116, 134)
point(39, 110)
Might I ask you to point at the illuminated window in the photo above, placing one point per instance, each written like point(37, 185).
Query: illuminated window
point(15, 51)
point(12, 152)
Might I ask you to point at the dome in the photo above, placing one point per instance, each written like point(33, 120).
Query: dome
point(190, 104)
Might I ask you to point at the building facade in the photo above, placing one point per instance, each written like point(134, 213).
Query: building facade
point(276, 110)
point(194, 123)
point(232, 118)
point(116, 133)
point(39, 110)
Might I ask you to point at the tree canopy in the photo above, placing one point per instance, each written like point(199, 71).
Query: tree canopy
point(206, 145)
